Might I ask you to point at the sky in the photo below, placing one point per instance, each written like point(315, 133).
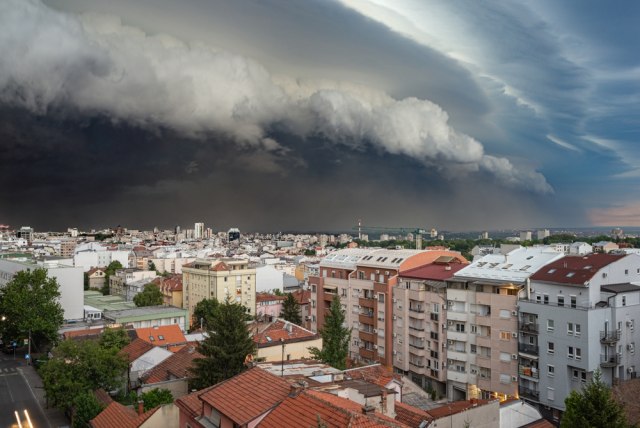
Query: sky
point(286, 115)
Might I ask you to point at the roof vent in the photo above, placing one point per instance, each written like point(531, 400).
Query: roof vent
point(368, 409)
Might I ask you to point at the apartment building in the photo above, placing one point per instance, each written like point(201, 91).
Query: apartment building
point(120, 281)
point(482, 322)
point(220, 279)
point(364, 280)
point(419, 304)
point(579, 316)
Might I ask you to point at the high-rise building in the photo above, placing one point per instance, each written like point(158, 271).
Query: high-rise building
point(543, 233)
point(526, 236)
point(198, 231)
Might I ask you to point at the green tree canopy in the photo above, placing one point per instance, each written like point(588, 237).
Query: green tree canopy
point(114, 338)
point(30, 302)
point(335, 338)
point(110, 270)
point(156, 397)
point(204, 311)
point(150, 296)
point(226, 348)
point(85, 407)
point(291, 309)
point(79, 367)
point(593, 407)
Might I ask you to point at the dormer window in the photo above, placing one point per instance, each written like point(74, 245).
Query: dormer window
point(570, 274)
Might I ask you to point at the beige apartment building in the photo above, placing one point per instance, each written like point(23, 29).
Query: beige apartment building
point(219, 278)
point(364, 280)
point(482, 322)
point(419, 308)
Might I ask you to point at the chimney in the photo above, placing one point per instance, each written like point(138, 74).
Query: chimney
point(368, 409)
point(383, 402)
point(296, 389)
point(140, 407)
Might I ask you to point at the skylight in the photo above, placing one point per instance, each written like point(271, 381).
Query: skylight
point(525, 267)
point(570, 274)
point(551, 271)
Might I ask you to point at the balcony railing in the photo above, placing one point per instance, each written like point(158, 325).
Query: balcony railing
point(434, 316)
point(529, 393)
point(366, 303)
point(418, 310)
point(417, 345)
point(529, 327)
point(611, 360)
point(416, 364)
point(531, 372)
point(609, 336)
point(416, 328)
point(528, 349)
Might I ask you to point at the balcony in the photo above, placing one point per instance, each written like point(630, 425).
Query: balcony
point(433, 335)
point(369, 354)
point(369, 336)
point(609, 336)
point(366, 302)
point(417, 309)
point(416, 364)
point(530, 372)
point(416, 345)
point(529, 393)
point(434, 317)
point(366, 319)
point(416, 328)
point(611, 360)
point(529, 327)
point(528, 349)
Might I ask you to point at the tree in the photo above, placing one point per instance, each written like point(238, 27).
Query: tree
point(85, 407)
point(291, 310)
point(594, 406)
point(335, 338)
point(86, 281)
point(226, 347)
point(114, 338)
point(204, 311)
point(110, 270)
point(29, 303)
point(79, 367)
point(156, 397)
point(150, 296)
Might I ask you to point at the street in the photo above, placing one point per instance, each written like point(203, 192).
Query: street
point(16, 396)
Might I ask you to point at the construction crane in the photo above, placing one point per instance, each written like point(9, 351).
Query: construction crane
point(417, 231)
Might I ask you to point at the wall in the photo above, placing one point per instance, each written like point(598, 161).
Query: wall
point(296, 350)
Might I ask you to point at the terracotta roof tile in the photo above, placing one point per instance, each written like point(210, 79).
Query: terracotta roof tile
point(103, 396)
point(303, 297)
point(117, 415)
point(575, 269)
point(192, 403)
point(375, 373)
point(434, 271)
point(168, 284)
point(410, 415)
point(175, 367)
point(455, 407)
point(267, 297)
point(164, 335)
point(277, 330)
point(232, 397)
point(219, 267)
point(135, 349)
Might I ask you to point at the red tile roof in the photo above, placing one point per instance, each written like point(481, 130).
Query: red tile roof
point(135, 349)
point(434, 271)
point(410, 415)
point(267, 297)
point(375, 373)
point(94, 270)
point(163, 335)
point(169, 284)
point(304, 410)
point(85, 332)
point(103, 397)
point(117, 415)
point(575, 269)
point(248, 395)
point(219, 267)
point(303, 297)
point(270, 334)
point(192, 403)
point(455, 407)
point(175, 367)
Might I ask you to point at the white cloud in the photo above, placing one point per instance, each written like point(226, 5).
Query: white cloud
point(95, 64)
point(562, 143)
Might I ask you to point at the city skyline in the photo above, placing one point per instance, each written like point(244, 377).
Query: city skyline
point(274, 116)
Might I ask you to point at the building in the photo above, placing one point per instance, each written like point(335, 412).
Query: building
point(173, 373)
point(198, 231)
point(69, 278)
point(283, 341)
point(419, 302)
point(233, 234)
point(364, 281)
point(268, 305)
point(148, 316)
point(579, 316)
point(220, 279)
point(543, 233)
point(92, 254)
point(25, 233)
point(525, 236)
point(171, 289)
point(604, 247)
point(482, 322)
point(96, 277)
point(129, 282)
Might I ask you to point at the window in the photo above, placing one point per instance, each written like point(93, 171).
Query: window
point(313, 288)
point(550, 325)
point(551, 394)
point(575, 374)
point(578, 354)
point(381, 297)
point(160, 337)
point(560, 300)
point(360, 274)
point(631, 325)
point(570, 353)
point(505, 357)
point(551, 370)
point(624, 300)
point(474, 329)
point(474, 349)
point(436, 308)
point(573, 301)
point(546, 299)
point(570, 328)
point(551, 348)
point(583, 376)
point(626, 271)
point(505, 335)
point(576, 332)
point(538, 298)
point(460, 327)
point(504, 313)
point(151, 339)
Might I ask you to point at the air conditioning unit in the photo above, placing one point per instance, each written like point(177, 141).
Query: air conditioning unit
point(514, 379)
point(449, 303)
point(514, 356)
point(450, 342)
point(395, 317)
point(629, 323)
point(375, 330)
point(449, 322)
point(630, 347)
point(514, 335)
point(395, 352)
point(375, 346)
point(514, 313)
point(395, 334)
point(377, 271)
point(359, 307)
point(474, 371)
point(394, 300)
point(631, 369)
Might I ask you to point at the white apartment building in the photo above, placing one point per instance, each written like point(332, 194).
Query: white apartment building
point(92, 255)
point(580, 316)
point(482, 322)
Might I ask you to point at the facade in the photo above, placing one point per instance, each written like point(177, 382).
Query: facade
point(171, 265)
point(96, 278)
point(579, 316)
point(364, 280)
point(198, 231)
point(220, 279)
point(148, 316)
point(419, 302)
point(70, 280)
point(268, 305)
point(482, 322)
point(120, 282)
point(283, 341)
point(90, 256)
point(171, 289)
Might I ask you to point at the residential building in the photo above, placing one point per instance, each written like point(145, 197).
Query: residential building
point(580, 248)
point(579, 316)
point(482, 322)
point(541, 234)
point(268, 306)
point(281, 340)
point(173, 373)
point(148, 316)
point(220, 279)
point(120, 281)
point(303, 297)
point(604, 247)
point(97, 278)
point(119, 415)
point(171, 289)
point(419, 304)
point(525, 236)
point(198, 231)
point(164, 336)
point(364, 281)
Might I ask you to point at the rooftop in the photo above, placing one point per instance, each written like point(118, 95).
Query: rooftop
point(176, 366)
point(436, 271)
point(162, 335)
point(146, 310)
point(575, 270)
point(117, 415)
point(271, 334)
